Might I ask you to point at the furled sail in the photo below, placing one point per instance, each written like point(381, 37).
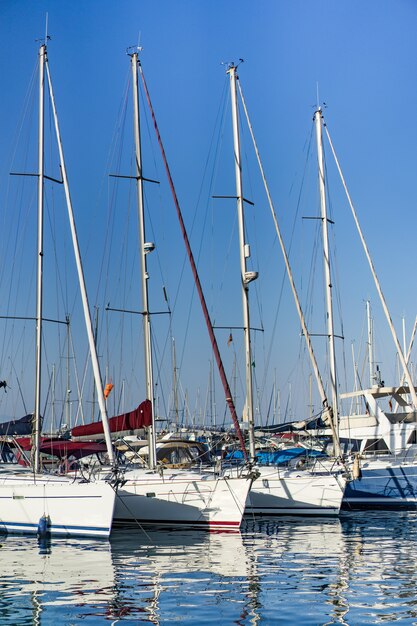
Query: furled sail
point(127, 422)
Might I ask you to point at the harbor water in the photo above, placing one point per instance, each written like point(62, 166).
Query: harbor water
point(358, 569)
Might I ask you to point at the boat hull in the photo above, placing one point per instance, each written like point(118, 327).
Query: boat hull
point(181, 498)
point(277, 492)
point(383, 484)
point(74, 508)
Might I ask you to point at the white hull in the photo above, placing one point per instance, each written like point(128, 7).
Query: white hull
point(74, 508)
point(277, 492)
point(181, 498)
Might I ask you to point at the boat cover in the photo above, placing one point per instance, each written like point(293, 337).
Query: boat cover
point(134, 420)
point(22, 426)
point(278, 457)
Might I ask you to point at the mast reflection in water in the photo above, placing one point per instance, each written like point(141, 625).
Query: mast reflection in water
point(360, 569)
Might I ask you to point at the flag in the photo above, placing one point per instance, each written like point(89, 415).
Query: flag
point(107, 390)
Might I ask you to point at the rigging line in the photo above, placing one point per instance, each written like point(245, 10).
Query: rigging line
point(114, 155)
point(28, 105)
point(190, 309)
point(58, 281)
point(334, 265)
point(11, 240)
point(14, 283)
point(307, 148)
point(196, 278)
point(376, 281)
point(59, 287)
point(225, 103)
point(220, 118)
point(19, 387)
point(80, 408)
point(161, 204)
point(81, 391)
point(177, 293)
point(254, 221)
point(286, 259)
point(214, 148)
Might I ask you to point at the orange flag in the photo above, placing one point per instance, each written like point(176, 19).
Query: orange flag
point(107, 390)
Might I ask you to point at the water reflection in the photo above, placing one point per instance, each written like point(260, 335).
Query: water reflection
point(356, 570)
point(40, 580)
point(167, 573)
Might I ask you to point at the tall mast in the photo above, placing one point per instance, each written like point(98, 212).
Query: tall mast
point(81, 281)
point(246, 277)
point(197, 281)
point(143, 252)
point(327, 278)
point(39, 284)
point(327, 410)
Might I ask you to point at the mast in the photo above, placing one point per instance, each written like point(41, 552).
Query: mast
point(246, 277)
point(143, 251)
point(327, 278)
point(39, 284)
point(327, 414)
point(196, 277)
point(372, 378)
point(175, 384)
point(81, 280)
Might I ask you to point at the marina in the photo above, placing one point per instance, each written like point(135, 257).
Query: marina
point(208, 389)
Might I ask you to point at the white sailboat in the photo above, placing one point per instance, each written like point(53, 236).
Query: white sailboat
point(384, 466)
point(276, 491)
point(173, 497)
point(381, 441)
point(31, 501)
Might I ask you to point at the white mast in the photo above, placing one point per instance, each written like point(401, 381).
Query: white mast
point(246, 276)
point(327, 278)
point(327, 412)
point(143, 250)
point(39, 284)
point(372, 375)
point(81, 280)
point(175, 384)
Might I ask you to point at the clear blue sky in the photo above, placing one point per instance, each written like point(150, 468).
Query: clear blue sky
point(363, 56)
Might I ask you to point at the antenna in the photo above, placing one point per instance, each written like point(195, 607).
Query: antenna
point(47, 37)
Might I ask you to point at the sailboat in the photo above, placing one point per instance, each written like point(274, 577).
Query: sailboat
point(172, 497)
point(381, 436)
point(276, 491)
point(32, 501)
point(379, 444)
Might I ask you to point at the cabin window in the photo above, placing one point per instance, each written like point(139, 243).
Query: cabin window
point(412, 438)
point(376, 445)
point(195, 452)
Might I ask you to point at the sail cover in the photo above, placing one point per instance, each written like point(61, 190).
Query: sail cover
point(22, 426)
point(133, 420)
